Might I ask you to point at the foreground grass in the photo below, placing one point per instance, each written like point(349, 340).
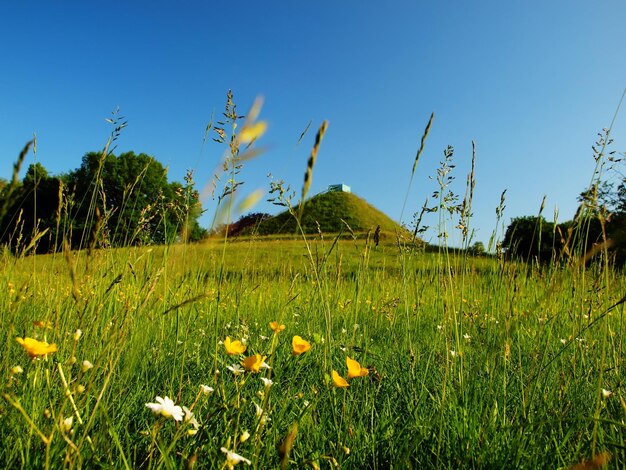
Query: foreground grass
point(472, 362)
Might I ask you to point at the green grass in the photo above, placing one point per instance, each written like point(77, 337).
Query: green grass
point(474, 362)
point(511, 395)
point(328, 210)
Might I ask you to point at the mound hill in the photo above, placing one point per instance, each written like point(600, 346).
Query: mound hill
point(327, 210)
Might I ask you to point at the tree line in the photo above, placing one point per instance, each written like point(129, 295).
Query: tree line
point(597, 229)
point(108, 200)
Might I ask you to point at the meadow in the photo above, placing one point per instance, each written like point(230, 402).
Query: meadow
point(315, 351)
point(462, 361)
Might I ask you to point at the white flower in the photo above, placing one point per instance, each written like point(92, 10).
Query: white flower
point(236, 369)
point(233, 459)
point(66, 424)
point(206, 389)
point(453, 353)
point(86, 365)
point(244, 436)
point(165, 407)
point(606, 393)
point(267, 382)
point(191, 419)
point(261, 414)
point(467, 337)
point(264, 338)
point(563, 341)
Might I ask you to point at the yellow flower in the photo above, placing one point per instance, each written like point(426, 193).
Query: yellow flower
point(338, 380)
point(254, 363)
point(277, 327)
point(355, 369)
point(252, 132)
point(299, 345)
point(234, 347)
point(36, 348)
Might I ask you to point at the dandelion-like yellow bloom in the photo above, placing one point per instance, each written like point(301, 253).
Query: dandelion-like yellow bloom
point(254, 363)
point(276, 327)
point(338, 380)
point(299, 345)
point(234, 347)
point(355, 369)
point(36, 348)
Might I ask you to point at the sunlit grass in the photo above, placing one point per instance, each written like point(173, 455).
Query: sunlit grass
point(513, 381)
point(319, 351)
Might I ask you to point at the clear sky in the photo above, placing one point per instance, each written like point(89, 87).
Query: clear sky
point(531, 82)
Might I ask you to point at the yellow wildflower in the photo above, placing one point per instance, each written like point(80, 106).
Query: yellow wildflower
point(338, 380)
point(355, 369)
point(299, 345)
point(252, 132)
point(277, 327)
point(254, 363)
point(36, 348)
point(234, 347)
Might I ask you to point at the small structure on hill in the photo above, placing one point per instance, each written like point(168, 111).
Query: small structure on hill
point(339, 188)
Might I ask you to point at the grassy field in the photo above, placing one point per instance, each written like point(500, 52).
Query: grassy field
point(462, 361)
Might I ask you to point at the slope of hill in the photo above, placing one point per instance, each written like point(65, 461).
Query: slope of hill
point(328, 209)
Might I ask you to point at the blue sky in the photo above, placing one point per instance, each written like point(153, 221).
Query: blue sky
point(530, 82)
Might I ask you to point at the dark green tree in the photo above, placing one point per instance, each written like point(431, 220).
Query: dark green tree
point(108, 200)
point(127, 200)
point(30, 222)
point(531, 238)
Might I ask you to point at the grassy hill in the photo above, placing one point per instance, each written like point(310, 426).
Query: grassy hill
point(328, 209)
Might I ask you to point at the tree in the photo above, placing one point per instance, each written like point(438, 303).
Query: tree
point(130, 198)
point(32, 212)
point(477, 249)
point(108, 200)
point(531, 238)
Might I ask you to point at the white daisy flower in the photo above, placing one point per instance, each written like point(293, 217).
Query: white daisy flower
point(233, 459)
point(236, 369)
point(166, 407)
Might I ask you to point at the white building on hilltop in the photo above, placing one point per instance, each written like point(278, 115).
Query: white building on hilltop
point(339, 188)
